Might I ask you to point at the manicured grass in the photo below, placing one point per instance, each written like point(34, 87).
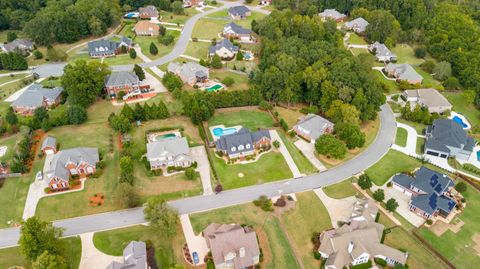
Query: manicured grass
point(145, 41)
point(419, 127)
point(269, 167)
point(393, 162)
point(241, 81)
point(356, 39)
point(290, 116)
point(72, 252)
point(406, 54)
point(6, 79)
point(358, 51)
point(249, 118)
point(312, 216)
point(428, 80)
point(340, 190)
point(459, 247)
point(401, 138)
point(461, 106)
point(197, 49)
point(168, 251)
point(9, 141)
point(208, 28)
point(273, 241)
point(122, 59)
point(391, 85)
point(180, 19)
point(303, 164)
point(420, 144)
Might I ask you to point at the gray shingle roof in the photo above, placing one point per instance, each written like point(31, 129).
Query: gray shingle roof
point(188, 70)
point(237, 29)
point(404, 72)
point(381, 50)
point(429, 97)
point(314, 125)
point(49, 141)
point(121, 78)
point(134, 257)
point(225, 43)
point(74, 155)
point(359, 24)
point(174, 147)
point(332, 14)
point(18, 43)
point(242, 137)
point(35, 95)
point(149, 10)
point(238, 10)
point(125, 40)
point(403, 180)
point(102, 46)
point(446, 132)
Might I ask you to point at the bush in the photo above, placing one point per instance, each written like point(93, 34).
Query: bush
point(166, 39)
point(421, 52)
point(461, 187)
point(228, 81)
point(429, 221)
point(391, 205)
point(379, 195)
point(276, 144)
point(37, 54)
point(153, 49)
point(428, 66)
point(317, 255)
point(264, 203)
point(280, 202)
point(190, 173)
point(133, 54)
point(218, 188)
point(366, 265)
point(284, 125)
point(264, 105)
point(364, 182)
point(380, 262)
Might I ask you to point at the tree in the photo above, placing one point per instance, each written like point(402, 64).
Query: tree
point(461, 187)
point(382, 26)
point(451, 83)
point(76, 114)
point(468, 96)
point(83, 82)
point(166, 39)
point(127, 194)
point(172, 81)
point(379, 195)
point(139, 72)
point(11, 36)
point(228, 81)
point(177, 7)
point(216, 62)
point(56, 55)
point(40, 114)
point(342, 112)
point(38, 236)
point(239, 56)
point(127, 112)
point(330, 146)
point(391, 205)
point(364, 182)
point(126, 169)
point(50, 261)
point(190, 173)
point(133, 54)
point(162, 216)
point(153, 49)
point(120, 123)
point(37, 54)
point(276, 144)
point(350, 134)
point(442, 70)
point(420, 52)
point(428, 66)
point(162, 30)
point(139, 112)
point(11, 116)
point(13, 61)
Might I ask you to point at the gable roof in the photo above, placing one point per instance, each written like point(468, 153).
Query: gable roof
point(50, 142)
point(102, 46)
point(149, 11)
point(74, 155)
point(238, 10)
point(173, 146)
point(404, 72)
point(146, 26)
point(332, 13)
point(429, 97)
point(359, 23)
point(134, 257)
point(241, 137)
point(188, 70)
point(448, 133)
point(125, 40)
point(35, 95)
point(313, 125)
point(12, 46)
point(237, 29)
point(121, 78)
point(225, 43)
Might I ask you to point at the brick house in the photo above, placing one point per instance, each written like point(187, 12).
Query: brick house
point(311, 127)
point(126, 82)
point(243, 143)
point(36, 96)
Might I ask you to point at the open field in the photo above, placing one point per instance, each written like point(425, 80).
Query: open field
point(252, 119)
point(302, 162)
point(406, 54)
point(401, 138)
point(341, 190)
point(273, 241)
point(197, 49)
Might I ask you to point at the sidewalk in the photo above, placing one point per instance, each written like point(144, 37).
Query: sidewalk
point(293, 167)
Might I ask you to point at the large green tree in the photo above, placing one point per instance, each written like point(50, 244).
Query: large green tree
point(330, 146)
point(50, 261)
point(162, 216)
point(38, 236)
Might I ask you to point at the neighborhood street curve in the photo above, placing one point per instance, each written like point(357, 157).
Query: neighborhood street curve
point(118, 219)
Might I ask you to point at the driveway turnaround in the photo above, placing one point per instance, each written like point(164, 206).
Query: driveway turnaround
point(308, 150)
point(286, 154)
point(340, 210)
point(203, 167)
point(196, 243)
point(92, 257)
point(411, 146)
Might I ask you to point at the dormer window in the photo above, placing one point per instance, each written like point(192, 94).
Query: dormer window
point(240, 147)
point(248, 146)
point(233, 149)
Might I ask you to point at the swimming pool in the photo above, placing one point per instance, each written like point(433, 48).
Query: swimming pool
point(459, 121)
point(214, 88)
point(131, 15)
point(169, 135)
point(223, 131)
point(247, 55)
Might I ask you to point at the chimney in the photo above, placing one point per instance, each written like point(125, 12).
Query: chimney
point(242, 252)
point(350, 247)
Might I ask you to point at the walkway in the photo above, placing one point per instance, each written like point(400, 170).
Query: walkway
point(286, 154)
point(380, 69)
point(196, 243)
point(92, 257)
point(308, 149)
point(340, 210)
point(12, 81)
point(203, 167)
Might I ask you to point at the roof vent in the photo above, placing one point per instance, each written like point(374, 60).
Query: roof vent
point(350, 247)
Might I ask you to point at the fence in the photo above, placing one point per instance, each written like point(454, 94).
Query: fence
point(10, 175)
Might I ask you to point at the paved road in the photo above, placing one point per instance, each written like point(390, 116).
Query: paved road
point(117, 219)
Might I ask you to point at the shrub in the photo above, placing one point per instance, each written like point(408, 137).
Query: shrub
point(37, 54)
point(380, 262)
point(420, 52)
point(47, 189)
point(379, 195)
point(461, 187)
point(429, 221)
point(284, 125)
point(228, 81)
point(166, 39)
point(391, 205)
point(264, 105)
point(133, 54)
point(428, 66)
point(218, 188)
point(364, 182)
point(330, 146)
point(317, 255)
point(264, 203)
point(276, 144)
point(190, 173)
point(280, 202)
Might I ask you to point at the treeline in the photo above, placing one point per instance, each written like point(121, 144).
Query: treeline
point(13, 61)
point(62, 21)
point(23, 154)
point(303, 60)
point(122, 122)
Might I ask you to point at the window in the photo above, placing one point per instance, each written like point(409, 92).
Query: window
point(240, 147)
point(233, 149)
point(248, 146)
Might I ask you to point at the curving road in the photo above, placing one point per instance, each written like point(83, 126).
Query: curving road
point(123, 218)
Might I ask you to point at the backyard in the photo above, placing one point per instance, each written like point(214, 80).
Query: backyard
point(240, 80)
point(251, 118)
point(356, 39)
point(461, 106)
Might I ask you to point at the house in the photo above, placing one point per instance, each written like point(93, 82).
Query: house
point(232, 246)
point(3, 168)
point(18, 45)
point(403, 72)
point(311, 127)
point(382, 53)
point(125, 42)
point(148, 12)
point(358, 25)
point(192, 3)
point(49, 145)
point(168, 152)
point(225, 49)
point(134, 257)
point(358, 241)
point(71, 162)
point(446, 138)
point(103, 48)
point(126, 82)
point(429, 98)
point(235, 31)
point(36, 96)
point(239, 12)
point(332, 14)
point(146, 28)
point(190, 73)
point(243, 143)
point(429, 191)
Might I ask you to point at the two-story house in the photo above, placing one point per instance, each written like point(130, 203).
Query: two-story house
point(190, 73)
point(169, 152)
point(239, 12)
point(243, 143)
point(235, 31)
point(126, 82)
point(225, 49)
point(148, 12)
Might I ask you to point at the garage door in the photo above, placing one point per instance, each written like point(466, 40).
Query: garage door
point(49, 151)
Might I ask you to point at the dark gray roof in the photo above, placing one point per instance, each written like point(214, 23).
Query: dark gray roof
point(50, 141)
point(18, 44)
point(225, 43)
point(242, 137)
point(237, 29)
point(314, 125)
point(125, 40)
point(403, 180)
point(332, 14)
point(121, 78)
point(102, 46)
point(74, 155)
point(360, 24)
point(381, 50)
point(238, 10)
point(134, 257)
point(404, 72)
point(35, 95)
point(446, 132)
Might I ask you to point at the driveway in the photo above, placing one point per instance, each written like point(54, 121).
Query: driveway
point(36, 190)
point(92, 257)
point(411, 146)
point(12, 98)
point(50, 70)
point(203, 167)
point(308, 150)
point(286, 154)
point(196, 243)
point(338, 209)
point(156, 85)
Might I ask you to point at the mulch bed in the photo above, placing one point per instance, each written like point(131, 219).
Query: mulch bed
point(97, 199)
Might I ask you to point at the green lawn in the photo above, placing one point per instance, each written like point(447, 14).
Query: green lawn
point(459, 247)
point(208, 28)
point(168, 251)
point(406, 54)
point(340, 190)
point(393, 162)
point(122, 59)
point(145, 41)
point(6, 79)
point(273, 241)
point(419, 127)
point(420, 143)
point(390, 85)
point(428, 80)
point(179, 19)
point(461, 106)
point(401, 138)
point(197, 49)
point(10, 142)
point(269, 167)
point(356, 39)
point(72, 252)
point(289, 115)
point(303, 164)
point(241, 81)
point(249, 118)
point(358, 51)
point(312, 216)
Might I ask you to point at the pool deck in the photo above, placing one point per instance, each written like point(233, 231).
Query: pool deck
point(215, 137)
point(151, 137)
point(464, 120)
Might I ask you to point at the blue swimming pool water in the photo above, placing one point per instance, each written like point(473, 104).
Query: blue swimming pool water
point(130, 15)
point(459, 121)
point(478, 155)
point(221, 131)
point(247, 56)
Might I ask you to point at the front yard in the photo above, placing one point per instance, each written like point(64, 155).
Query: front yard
point(392, 163)
point(302, 162)
point(340, 190)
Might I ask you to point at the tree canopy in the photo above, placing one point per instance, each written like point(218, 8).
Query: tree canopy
point(37, 237)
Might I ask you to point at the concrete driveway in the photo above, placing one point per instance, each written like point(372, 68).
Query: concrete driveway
point(308, 149)
point(338, 209)
point(286, 154)
point(411, 146)
point(196, 243)
point(156, 85)
point(203, 167)
point(92, 257)
point(36, 190)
